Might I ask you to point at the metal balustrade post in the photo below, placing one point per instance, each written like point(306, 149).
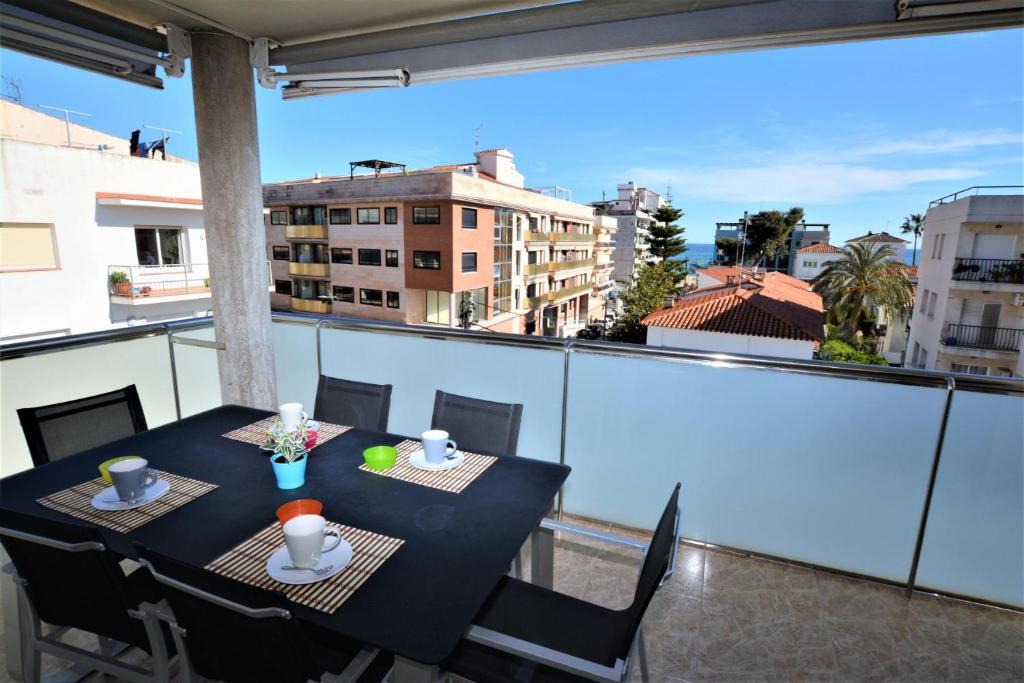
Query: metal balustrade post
point(926, 508)
point(319, 362)
point(174, 371)
point(566, 353)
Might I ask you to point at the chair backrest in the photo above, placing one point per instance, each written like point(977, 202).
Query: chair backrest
point(63, 429)
point(478, 425)
point(233, 632)
point(356, 404)
point(659, 555)
point(70, 577)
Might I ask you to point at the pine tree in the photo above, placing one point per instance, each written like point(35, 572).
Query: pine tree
point(654, 282)
point(666, 242)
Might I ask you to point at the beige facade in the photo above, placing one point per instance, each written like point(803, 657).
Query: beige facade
point(425, 246)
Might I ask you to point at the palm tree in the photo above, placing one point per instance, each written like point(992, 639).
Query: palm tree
point(852, 286)
point(914, 223)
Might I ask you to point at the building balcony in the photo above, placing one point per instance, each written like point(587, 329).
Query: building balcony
point(321, 306)
point(571, 237)
point(568, 292)
point(536, 236)
point(309, 269)
point(557, 266)
point(136, 285)
point(537, 301)
point(977, 337)
point(306, 232)
point(988, 274)
point(535, 269)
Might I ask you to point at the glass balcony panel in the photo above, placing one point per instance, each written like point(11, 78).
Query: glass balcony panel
point(295, 363)
point(817, 469)
point(76, 372)
point(198, 375)
point(416, 367)
point(974, 541)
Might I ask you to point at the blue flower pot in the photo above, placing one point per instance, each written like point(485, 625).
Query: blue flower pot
point(290, 475)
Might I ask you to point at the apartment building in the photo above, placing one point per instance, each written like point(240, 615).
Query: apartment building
point(448, 245)
point(969, 308)
point(92, 238)
point(633, 211)
point(802, 236)
point(809, 262)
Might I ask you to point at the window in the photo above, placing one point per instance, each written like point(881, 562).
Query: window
point(341, 216)
point(283, 286)
point(469, 262)
point(924, 358)
point(345, 294)
point(810, 264)
point(916, 354)
point(519, 264)
point(26, 247)
point(367, 216)
point(301, 215)
point(158, 246)
point(942, 244)
point(391, 215)
point(393, 300)
point(469, 219)
point(473, 305)
point(931, 305)
point(319, 215)
point(311, 289)
point(341, 255)
point(279, 217)
point(437, 308)
point(431, 260)
point(370, 297)
point(970, 369)
point(533, 223)
point(426, 214)
point(391, 258)
point(532, 257)
point(280, 253)
point(502, 272)
point(369, 257)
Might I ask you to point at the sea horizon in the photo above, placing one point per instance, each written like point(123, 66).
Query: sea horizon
point(701, 254)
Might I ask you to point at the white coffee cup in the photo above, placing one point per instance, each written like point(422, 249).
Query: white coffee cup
point(131, 478)
point(437, 446)
point(304, 536)
point(291, 415)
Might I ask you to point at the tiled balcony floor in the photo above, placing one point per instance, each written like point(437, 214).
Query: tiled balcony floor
point(727, 617)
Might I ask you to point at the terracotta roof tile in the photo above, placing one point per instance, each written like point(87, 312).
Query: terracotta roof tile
point(876, 237)
point(820, 248)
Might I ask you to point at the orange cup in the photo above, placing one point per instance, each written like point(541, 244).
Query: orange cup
point(301, 506)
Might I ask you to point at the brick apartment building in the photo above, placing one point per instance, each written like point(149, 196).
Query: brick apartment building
point(424, 246)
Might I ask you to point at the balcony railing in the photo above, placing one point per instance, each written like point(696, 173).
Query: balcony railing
point(536, 268)
point(156, 282)
point(568, 292)
point(536, 236)
point(571, 237)
point(536, 301)
point(978, 337)
point(555, 266)
point(831, 499)
point(311, 305)
point(306, 232)
point(989, 270)
point(309, 269)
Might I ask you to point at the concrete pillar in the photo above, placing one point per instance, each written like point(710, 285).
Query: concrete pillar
point(229, 162)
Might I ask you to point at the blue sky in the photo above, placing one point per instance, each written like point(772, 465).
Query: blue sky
point(858, 134)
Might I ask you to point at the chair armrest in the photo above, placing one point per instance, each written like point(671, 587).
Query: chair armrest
point(553, 525)
point(545, 655)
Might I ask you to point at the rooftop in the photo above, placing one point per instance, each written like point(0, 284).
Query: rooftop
point(820, 248)
point(876, 237)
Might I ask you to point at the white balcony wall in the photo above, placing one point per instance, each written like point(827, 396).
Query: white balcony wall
point(974, 544)
point(197, 373)
point(817, 469)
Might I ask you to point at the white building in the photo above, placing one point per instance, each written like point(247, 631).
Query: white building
point(881, 240)
point(72, 216)
point(809, 262)
point(969, 309)
point(765, 314)
point(633, 211)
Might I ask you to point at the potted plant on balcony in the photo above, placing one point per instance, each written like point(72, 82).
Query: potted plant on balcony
point(289, 454)
point(122, 285)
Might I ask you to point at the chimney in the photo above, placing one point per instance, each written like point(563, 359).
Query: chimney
point(499, 164)
point(669, 301)
point(730, 279)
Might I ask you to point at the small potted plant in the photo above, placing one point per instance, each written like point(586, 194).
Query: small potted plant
point(122, 285)
point(289, 454)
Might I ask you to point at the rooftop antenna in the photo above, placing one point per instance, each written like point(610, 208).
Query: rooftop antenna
point(163, 136)
point(476, 137)
point(668, 192)
point(67, 118)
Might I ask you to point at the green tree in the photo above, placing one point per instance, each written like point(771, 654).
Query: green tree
point(768, 233)
point(852, 286)
point(654, 282)
point(665, 240)
point(839, 350)
point(913, 223)
point(726, 245)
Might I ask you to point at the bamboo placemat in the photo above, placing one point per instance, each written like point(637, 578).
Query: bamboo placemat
point(247, 562)
point(453, 480)
point(256, 433)
point(77, 502)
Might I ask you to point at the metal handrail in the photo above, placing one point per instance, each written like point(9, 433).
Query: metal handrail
point(974, 188)
point(981, 337)
point(989, 270)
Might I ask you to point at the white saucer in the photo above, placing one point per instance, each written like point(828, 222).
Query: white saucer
point(107, 498)
point(339, 557)
point(419, 461)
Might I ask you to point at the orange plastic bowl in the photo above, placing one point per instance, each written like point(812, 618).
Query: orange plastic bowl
point(302, 506)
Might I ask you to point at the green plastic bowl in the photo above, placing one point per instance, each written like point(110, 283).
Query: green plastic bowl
point(380, 457)
point(105, 466)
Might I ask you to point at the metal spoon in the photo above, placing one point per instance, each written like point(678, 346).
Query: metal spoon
point(319, 572)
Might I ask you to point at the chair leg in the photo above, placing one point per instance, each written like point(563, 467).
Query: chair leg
point(30, 631)
point(642, 654)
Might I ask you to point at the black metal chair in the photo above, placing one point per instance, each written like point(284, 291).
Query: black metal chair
point(357, 404)
point(66, 577)
point(61, 429)
point(229, 631)
point(526, 632)
point(478, 425)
